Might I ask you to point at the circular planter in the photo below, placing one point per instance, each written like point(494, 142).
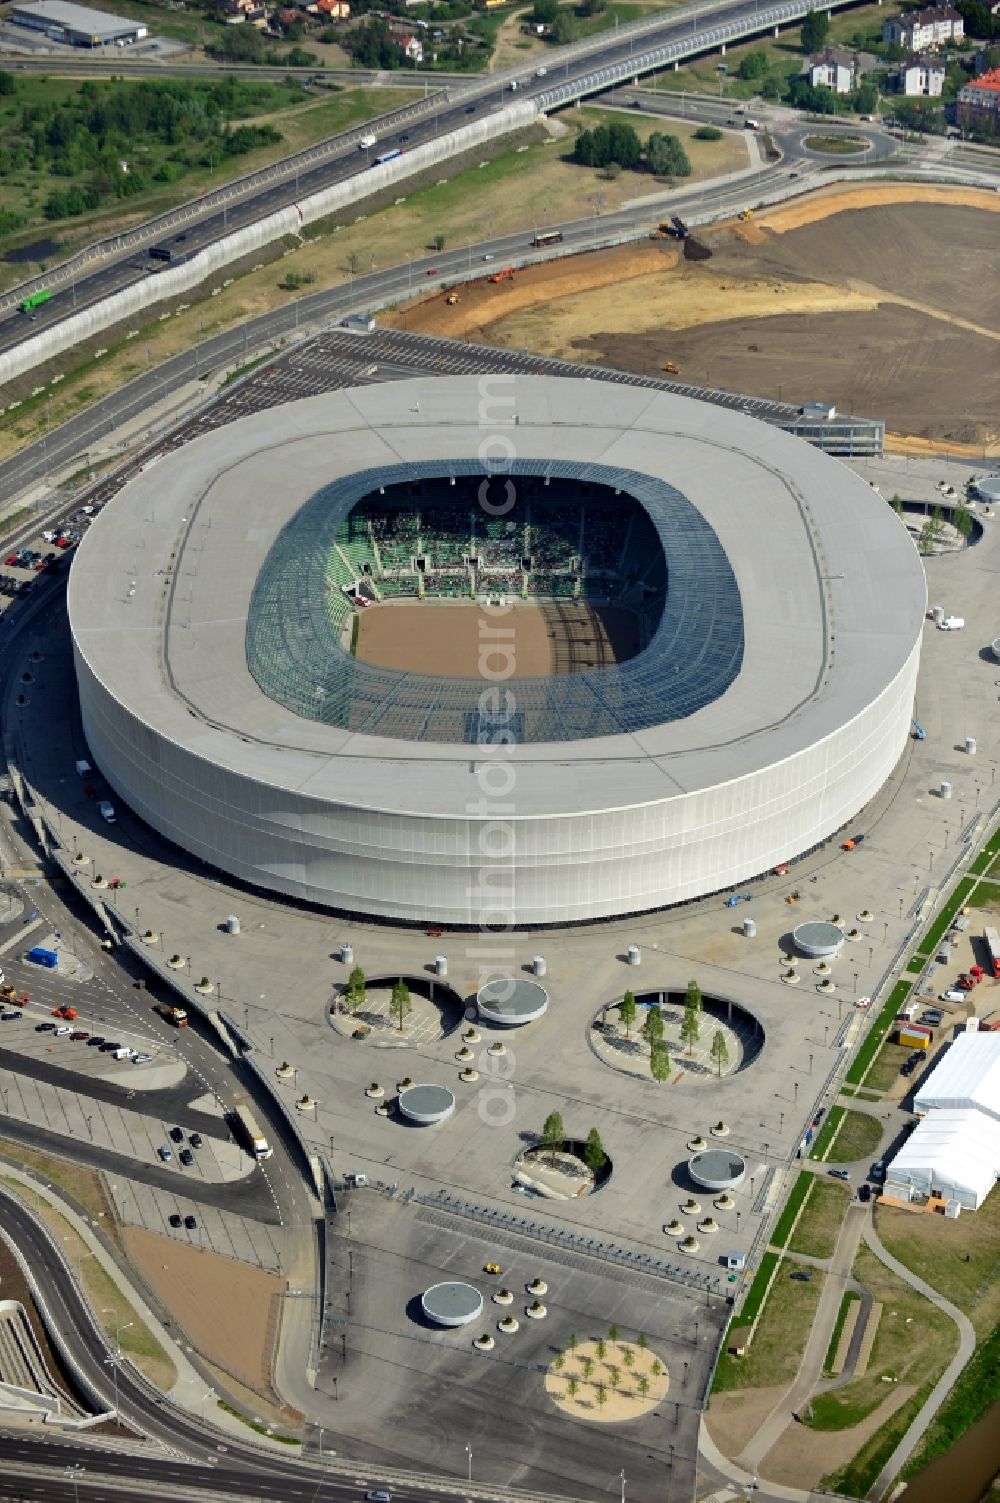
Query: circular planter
point(468, 1075)
point(674, 1228)
point(538, 1287)
point(691, 1207)
point(854, 935)
point(720, 1130)
point(472, 1036)
point(709, 1225)
point(375, 1092)
point(791, 978)
point(826, 986)
point(485, 1343)
point(724, 1202)
point(503, 1297)
point(99, 882)
point(177, 962)
point(305, 1104)
point(537, 1311)
point(382, 1110)
point(508, 1325)
point(464, 1054)
point(498, 1048)
point(697, 1145)
point(285, 1071)
point(689, 1244)
point(150, 937)
point(822, 969)
point(81, 860)
point(866, 915)
point(204, 986)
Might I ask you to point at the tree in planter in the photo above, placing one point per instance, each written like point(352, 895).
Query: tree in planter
point(925, 542)
point(815, 30)
point(659, 1063)
point(602, 1350)
point(626, 1012)
point(558, 1362)
point(652, 1029)
point(572, 1388)
point(587, 1366)
point(641, 1341)
point(601, 1395)
point(614, 1376)
point(897, 505)
point(628, 1356)
point(572, 1342)
point(612, 1333)
point(961, 519)
point(719, 1051)
point(593, 1151)
point(690, 1031)
point(356, 994)
point(400, 1003)
point(643, 1385)
point(692, 997)
point(553, 1135)
point(657, 1367)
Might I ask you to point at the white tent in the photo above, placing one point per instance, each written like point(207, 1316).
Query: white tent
point(968, 1075)
point(953, 1154)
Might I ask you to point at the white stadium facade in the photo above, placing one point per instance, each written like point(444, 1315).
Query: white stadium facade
point(783, 606)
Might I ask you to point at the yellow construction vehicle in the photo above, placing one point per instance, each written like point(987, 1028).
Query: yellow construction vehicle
point(746, 213)
point(451, 299)
point(671, 368)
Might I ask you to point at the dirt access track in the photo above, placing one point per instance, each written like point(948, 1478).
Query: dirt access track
point(884, 300)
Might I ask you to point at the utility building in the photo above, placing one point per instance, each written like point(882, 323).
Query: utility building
point(77, 25)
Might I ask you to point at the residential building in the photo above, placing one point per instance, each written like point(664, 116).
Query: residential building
point(918, 29)
point(919, 75)
point(831, 70)
point(979, 103)
point(333, 10)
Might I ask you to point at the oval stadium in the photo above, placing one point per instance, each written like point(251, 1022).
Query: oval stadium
point(497, 651)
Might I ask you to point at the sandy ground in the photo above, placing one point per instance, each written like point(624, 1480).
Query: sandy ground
point(734, 1418)
point(623, 1403)
point(227, 1309)
point(422, 637)
point(842, 295)
point(801, 1457)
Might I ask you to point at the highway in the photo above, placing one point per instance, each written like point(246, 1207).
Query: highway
point(569, 72)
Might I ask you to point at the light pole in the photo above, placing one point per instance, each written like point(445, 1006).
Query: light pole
point(74, 1472)
point(468, 1452)
point(112, 1362)
point(623, 1485)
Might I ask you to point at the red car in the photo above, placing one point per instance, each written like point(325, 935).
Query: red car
point(43, 563)
point(11, 560)
point(432, 271)
point(64, 542)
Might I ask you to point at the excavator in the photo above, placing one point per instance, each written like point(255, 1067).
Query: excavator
point(671, 368)
point(505, 275)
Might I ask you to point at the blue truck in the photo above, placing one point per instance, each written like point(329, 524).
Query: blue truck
point(40, 956)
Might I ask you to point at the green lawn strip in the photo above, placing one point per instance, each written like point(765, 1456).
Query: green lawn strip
point(819, 1225)
point(259, 1425)
point(851, 1297)
point(859, 1136)
point(774, 1355)
point(856, 1479)
point(834, 145)
point(793, 1204)
point(988, 859)
point(754, 1299)
point(937, 930)
point(986, 893)
point(978, 1387)
point(826, 1134)
point(878, 1032)
point(12, 521)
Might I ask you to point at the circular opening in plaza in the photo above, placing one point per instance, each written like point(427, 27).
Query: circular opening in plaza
point(510, 1001)
point(452, 1304)
point(428, 1010)
point(717, 1168)
point(426, 1104)
point(729, 1036)
point(818, 939)
point(565, 1171)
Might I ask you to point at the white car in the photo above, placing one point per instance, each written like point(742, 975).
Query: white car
point(952, 995)
point(540, 72)
point(863, 1002)
point(106, 811)
point(62, 1030)
point(952, 623)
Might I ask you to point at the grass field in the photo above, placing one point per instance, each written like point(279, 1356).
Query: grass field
point(885, 1068)
point(957, 1258)
point(913, 1344)
point(859, 1136)
point(820, 1222)
point(782, 1332)
point(84, 1185)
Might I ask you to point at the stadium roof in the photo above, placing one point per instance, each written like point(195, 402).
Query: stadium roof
point(831, 589)
point(968, 1075)
point(949, 1151)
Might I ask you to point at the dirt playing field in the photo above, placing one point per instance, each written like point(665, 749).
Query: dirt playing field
point(460, 639)
point(227, 1310)
point(845, 295)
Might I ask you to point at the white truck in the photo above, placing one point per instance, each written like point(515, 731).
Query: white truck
point(253, 1137)
point(367, 142)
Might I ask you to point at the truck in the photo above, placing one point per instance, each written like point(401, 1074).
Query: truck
point(367, 142)
point(160, 253)
point(35, 300)
point(251, 1134)
point(991, 939)
point(678, 228)
point(176, 1015)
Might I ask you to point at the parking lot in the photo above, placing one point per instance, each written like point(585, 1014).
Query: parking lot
point(215, 1230)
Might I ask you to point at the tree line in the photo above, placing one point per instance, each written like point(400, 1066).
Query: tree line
point(616, 147)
